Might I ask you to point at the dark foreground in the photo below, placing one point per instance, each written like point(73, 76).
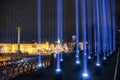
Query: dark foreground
point(71, 71)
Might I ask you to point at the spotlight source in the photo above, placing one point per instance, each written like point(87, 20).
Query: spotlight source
point(97, 64)
point(58, 74)
point(58, 70)
point(98, 69)
point(85, 75)
point(77, 62)
point(39, 65)
point(104, 58)
point(89, 57)
point(61, 59)
point(58, 41)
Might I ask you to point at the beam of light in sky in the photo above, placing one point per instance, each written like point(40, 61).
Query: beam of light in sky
point(104, 29)
point(109, 25)
point(59, 20)
point(113, 24)
point(98, 33)
point(39, 29)
point(39, 20)
point(59, 30)
point(94, 21)
point(89, 29)
point(77, 32)
point(83, 19)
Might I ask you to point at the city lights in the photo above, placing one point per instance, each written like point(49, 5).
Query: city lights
point(71, 39)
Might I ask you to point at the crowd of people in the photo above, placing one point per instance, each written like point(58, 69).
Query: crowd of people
point(11, 69)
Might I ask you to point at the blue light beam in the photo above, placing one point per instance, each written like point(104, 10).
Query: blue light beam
point(94, 21)
point(83, 16)
point(39, 20)
point(109, 26)
point(113, 24)
point(59, 20)
point(61, 57)
point(39, 60)
point(59, 30)
point(89, 29)
point(39, 29)
point(58, 63)
point(104, 30)
point(77, 32)
point(98, 33)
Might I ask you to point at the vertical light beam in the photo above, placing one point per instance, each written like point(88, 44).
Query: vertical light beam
point(98, 34)
point(59, 30)
point(39, 20)
point(61, 57)
point(113, 24)
point(83, 16)
point(104, 30)
point(94, 21)
point(39, 60)
point(77, 32)
point(59, 20)
point(58, 63)
point(109, 26)
point(39, 29)
point(89, 29)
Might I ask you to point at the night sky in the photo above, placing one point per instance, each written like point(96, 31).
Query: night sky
point(26, 10)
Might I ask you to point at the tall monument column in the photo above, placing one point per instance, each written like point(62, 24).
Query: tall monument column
point(19, 29)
